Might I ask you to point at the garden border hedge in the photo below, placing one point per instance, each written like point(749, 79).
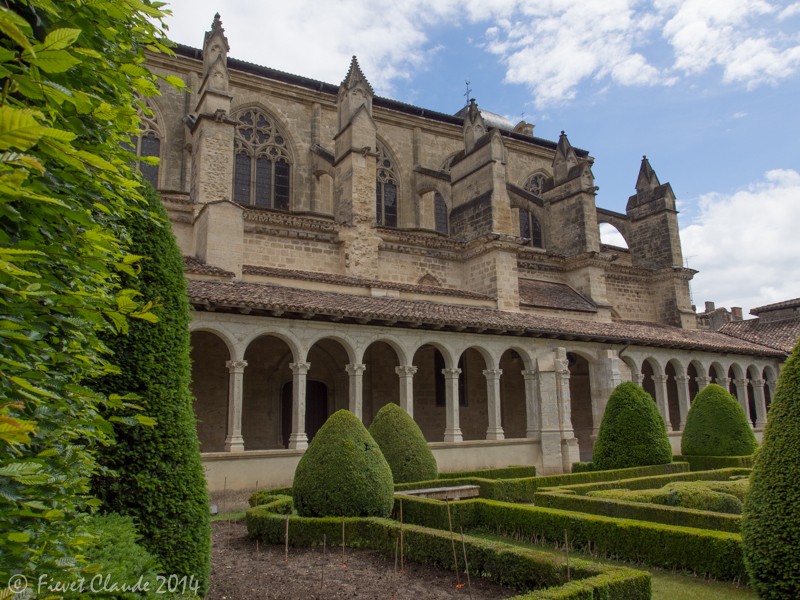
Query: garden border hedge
point(706, 552)
point(505, 564)
point(640, 511)
point(655, 481)
point(517, 472)
point(709, 463)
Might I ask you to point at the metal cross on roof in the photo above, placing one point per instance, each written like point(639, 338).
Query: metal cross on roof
point(468, 92)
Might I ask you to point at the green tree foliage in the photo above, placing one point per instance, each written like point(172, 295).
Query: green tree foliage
point(771, 517)
point(403, 445)
point(343, 473)
point(717, 426)
point(70, 72)
point(632, 433)
point(158, 477)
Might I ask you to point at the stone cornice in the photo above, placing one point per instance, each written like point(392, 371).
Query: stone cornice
point(291, 225)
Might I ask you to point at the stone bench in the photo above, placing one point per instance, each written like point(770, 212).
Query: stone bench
point(458, 492)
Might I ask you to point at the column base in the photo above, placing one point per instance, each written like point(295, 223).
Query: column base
point(495, 434)
point(298, 441)
point(234, 443)
point(453, 435)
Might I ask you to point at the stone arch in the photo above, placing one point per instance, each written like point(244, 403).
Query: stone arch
point(447, 162)
point(266, 420)
point(473, 400)
point(672, 370)
point(380, 381)
point(210, 353)
point(581, 405)
point(716, 372)
point(634, 368)
point(347, 343)
point(694, 371)
point(429, 387)
point(650, 368)
point(537, 182)
point(619, 222)
point(286, 337)
point(223, 335)
point(611, 236)
point(327, 381)
point(514, 418)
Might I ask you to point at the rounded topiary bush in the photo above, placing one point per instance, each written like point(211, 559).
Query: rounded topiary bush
point(403, 445)
point(343, 473)
point(632, 433)
point(771, 516)
point(717, 426)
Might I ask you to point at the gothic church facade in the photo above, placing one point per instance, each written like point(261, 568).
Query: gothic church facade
point(345, 250)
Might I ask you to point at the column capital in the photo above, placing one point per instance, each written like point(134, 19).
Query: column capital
point(451, 373)
point(530, 374)
point(758, 382)
point(659, 378)
point(300, 368)
point(406, 370)
point(683, 379)
point(638, 378)
point(740, 381)
point(236, 366)
point(702, 380)
point(492, 373)
point(355, 369)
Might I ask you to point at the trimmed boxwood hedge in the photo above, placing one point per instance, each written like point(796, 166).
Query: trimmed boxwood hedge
point(160, 480)
point(403, 445)
point(656, 481)
point(714, 553)
point(343, 472)
point(708, 463)
point(518, 568)
point(683, 494)
point(717, 426)
point(499, 473)
point(632, 433)
point(771, 521)
point(655, 513)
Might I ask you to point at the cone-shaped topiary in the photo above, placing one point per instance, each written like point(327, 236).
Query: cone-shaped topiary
point(717, 426)
point(343, 473)
point(403, 445)
point(632, 433)
point(771, 517)
point(160, 480)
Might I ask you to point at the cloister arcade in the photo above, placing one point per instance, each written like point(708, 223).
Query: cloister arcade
point(268, 384)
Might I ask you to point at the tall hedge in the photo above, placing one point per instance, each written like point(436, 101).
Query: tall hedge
point(717, 426)
point(160, 480)
point(403, 445)
point(632, 433)
point(343, 473)
point(771, 517)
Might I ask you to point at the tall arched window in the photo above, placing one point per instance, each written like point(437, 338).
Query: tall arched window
point(147, 144)
point(385, 190)
point(440, 213)
point(530, 230)
point(535, 184)
point(262, 168)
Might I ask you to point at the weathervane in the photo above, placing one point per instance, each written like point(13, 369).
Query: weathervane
point(468, 92)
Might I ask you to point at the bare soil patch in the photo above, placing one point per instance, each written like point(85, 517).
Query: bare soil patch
point(241, 570)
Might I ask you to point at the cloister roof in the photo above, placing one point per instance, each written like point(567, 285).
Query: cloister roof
point(781, 335)
point(276, 300)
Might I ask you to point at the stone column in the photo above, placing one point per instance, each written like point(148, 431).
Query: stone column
point(356, 373)
point(724, 382)
point(637, 378)
point(683, 398)
point(741, 395)
point(570, 452)
point(495, 429)
point(761, 402)
point(406, 374)
point(550, 432)
point(662, 398)
point(234, 442)
point(298, 439)
point(533, 428)
point(452, 431)
point(702, 381)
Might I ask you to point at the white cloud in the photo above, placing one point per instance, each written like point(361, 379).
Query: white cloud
point(746, 245)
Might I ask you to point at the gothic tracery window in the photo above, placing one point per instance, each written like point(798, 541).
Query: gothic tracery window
point(262, 167)
point(385, 190)
point(147, 144)
point(530, 230)
point(440, 213)
point(535, 184)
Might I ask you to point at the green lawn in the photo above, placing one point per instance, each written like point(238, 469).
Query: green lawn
point(666, 585)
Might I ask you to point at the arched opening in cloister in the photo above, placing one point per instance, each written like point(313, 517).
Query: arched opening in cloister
point(380, 383)
point(580, 396)
point(512, 395)
point(429, 392)
point(472, 395)
point(210, 378)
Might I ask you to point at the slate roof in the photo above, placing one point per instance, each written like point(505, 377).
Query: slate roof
point(360, 282)
point(781, 335)
point(547, 294)
point(290, 302)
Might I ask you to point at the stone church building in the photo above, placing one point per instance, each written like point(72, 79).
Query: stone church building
point(345, 250)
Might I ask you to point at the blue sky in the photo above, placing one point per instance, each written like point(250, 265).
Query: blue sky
point(707, 89)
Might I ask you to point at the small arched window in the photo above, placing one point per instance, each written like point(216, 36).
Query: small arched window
point(147, 144)
point(440, 213)
point(535, 184)
point(385, 190)
point(262, 168)
point(530, 230)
